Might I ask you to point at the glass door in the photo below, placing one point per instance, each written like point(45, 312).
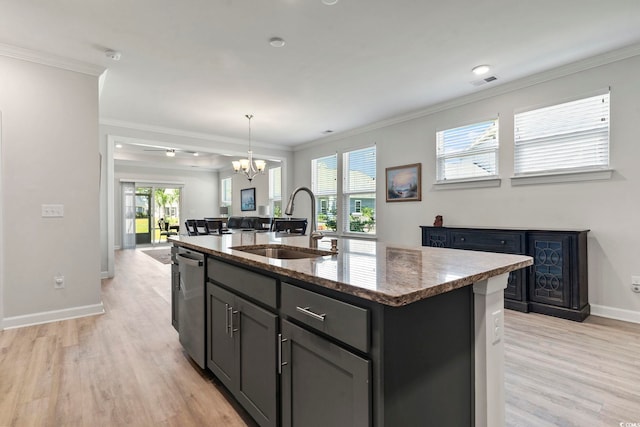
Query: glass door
point(166, 207)
point(143, 215)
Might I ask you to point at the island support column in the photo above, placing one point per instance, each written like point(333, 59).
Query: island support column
point(489, 351)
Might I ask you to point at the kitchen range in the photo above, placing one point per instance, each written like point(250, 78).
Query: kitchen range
point(373, 334)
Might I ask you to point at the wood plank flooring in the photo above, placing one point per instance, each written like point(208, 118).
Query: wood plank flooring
point(564, 373)
point(127, 368)
point(123, 368)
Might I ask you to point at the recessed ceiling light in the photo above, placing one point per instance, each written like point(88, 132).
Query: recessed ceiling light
point(480, 70)
point(329, 2)
point(171, 153)
point(196, 154)
point(276, 42)
point(118, 145)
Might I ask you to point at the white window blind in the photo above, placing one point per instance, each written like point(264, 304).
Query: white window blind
point(467, 152)
point(324, 170)
point(275, 183)
point(275, 191)
point(324, 184)
point(573, 135)
point(226, 193)
point(359, 185)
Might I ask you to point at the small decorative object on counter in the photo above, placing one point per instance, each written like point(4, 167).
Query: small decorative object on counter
point(334, 245)
point(438, 221)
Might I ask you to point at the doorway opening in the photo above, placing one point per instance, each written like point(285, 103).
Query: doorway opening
point(151, 212)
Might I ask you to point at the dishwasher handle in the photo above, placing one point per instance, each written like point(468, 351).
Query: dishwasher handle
point(190, 261)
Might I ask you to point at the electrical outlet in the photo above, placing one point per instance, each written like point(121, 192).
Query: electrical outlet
point(635, 284)
point(58, 282)
point(496, 324)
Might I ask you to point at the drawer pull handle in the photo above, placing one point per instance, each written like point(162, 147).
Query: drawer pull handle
point(226, 317)
point(305, 310)
point(281, 363)
point(502, 242)
point(462, 239)
point(231, 328)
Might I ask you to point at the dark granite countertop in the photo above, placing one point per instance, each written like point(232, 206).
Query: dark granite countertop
point(388, 274)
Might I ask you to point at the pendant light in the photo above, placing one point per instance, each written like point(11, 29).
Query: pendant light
point(248, 166)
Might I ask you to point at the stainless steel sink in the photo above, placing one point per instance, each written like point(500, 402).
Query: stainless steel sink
point(282, 251)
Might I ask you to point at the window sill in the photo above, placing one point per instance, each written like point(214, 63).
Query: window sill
point(468, 183)
point(552, 178)
point(355, 235)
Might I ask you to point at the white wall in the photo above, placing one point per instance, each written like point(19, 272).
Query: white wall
point(1, 231)
point(608, 208)
point(50, 156)
point(239, 182)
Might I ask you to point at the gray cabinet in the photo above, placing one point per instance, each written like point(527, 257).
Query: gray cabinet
point(339, 320)
point(322, 383)
point(241, 352)
point(295, 354)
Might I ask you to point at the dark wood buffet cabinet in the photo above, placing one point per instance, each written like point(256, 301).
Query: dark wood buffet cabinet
point(556, 284)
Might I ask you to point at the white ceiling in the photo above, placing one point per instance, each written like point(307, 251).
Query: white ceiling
point(201, 65)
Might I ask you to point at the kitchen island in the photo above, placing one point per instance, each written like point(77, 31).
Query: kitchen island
point(376, 334)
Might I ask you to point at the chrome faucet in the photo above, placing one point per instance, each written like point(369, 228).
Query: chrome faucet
point(314, 235)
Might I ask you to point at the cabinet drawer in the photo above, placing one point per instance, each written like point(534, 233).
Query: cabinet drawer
point(488, 241)
point(343, 321)
point(256, 286)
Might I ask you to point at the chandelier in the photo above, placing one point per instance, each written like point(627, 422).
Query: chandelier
point(248, 166)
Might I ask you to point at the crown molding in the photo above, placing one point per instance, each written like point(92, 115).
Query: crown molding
point(555, 73)
point(189, 134)
point(50, 60)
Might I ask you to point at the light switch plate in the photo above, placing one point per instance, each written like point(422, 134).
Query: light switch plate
point(52, 211)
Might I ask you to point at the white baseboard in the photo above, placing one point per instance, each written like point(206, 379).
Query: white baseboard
point(52, 316)
point(615, 313)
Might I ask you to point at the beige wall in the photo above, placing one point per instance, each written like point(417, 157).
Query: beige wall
point(50, 156)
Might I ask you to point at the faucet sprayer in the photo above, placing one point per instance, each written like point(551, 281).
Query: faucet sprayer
point(314, 235)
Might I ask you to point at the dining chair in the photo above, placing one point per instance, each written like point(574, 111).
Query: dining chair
point(294, 226)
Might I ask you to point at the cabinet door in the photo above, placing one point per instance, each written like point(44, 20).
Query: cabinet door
point(515, 283)
point(255, 345)
point(220, 342)
point(435, 237)
point(322, 383)
point(550, 279)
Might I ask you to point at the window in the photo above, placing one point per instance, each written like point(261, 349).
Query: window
point(467, 152)
point(323, 206)
point(324, 185)
point(359, 191)
point(564, 137)
point(275, 191)
point(225, 191)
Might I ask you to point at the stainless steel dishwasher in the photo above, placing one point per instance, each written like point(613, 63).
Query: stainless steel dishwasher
point(191, 300)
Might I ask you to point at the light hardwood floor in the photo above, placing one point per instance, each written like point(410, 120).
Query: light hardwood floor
point(126, 367)
point(123, 368)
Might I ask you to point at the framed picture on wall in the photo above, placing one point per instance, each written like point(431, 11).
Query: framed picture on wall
point(404, 183)
point(248, 199)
